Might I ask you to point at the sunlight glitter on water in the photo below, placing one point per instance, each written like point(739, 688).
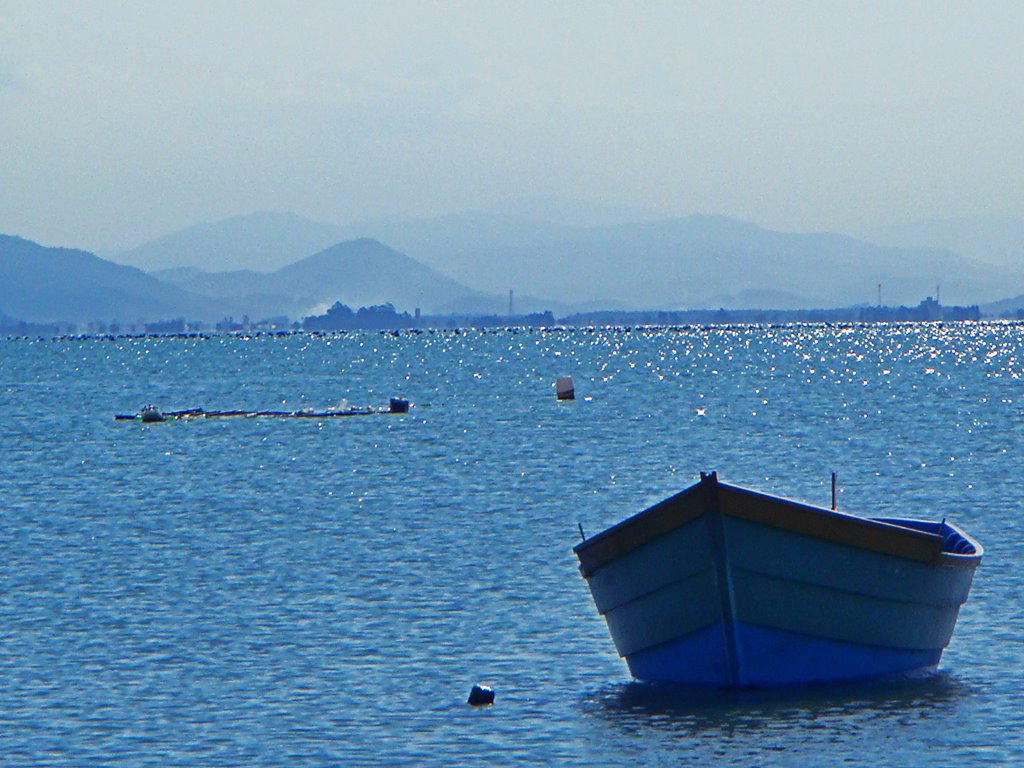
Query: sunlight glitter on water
point(268, 593)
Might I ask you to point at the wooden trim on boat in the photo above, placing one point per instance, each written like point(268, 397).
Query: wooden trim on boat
point(639, 529)
point(828, 525)
point(960, 561)
point(774, 511)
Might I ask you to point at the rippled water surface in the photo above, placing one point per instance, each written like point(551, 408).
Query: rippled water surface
point(325, 592)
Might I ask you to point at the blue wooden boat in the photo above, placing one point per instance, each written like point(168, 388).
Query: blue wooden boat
point(728, 587)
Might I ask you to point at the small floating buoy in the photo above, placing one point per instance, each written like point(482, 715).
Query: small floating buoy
point(564, 389)
point(399, 405)
point(481, 695)
point(151, 414)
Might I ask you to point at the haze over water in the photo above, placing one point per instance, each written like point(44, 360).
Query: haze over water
point(303, 592)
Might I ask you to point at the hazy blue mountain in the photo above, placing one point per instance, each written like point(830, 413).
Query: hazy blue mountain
point(364, 272)
point(238, 293)
point(40, 284)
point(361, 272)
point(261, 241)
point(992, 239)
point(570, 212)
point(458, 243)
point(264, 241)
point(493, 252)
point(696, 261)
point(709, 261)
point(1003, 307)
point(239, 282)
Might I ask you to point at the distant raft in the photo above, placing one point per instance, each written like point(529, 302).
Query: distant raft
point(152, 414)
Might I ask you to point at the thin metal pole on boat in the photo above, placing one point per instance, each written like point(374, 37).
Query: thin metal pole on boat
point(834, 506)
point(583, 536)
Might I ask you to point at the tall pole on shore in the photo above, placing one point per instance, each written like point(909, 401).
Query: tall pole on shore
point(510, 302)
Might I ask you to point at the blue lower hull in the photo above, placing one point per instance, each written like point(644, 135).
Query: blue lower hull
point(758, 657)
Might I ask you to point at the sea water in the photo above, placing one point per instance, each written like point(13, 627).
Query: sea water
point(261, 591)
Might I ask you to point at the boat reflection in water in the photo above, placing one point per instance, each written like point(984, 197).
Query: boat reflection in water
point(727, 587)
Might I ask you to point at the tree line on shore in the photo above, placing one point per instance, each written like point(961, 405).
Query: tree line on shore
point(341, 317)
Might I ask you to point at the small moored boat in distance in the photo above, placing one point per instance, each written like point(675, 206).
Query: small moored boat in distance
point(150, 413)
point(728, 587)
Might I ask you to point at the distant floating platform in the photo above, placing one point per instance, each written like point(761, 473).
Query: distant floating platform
point(149, 414)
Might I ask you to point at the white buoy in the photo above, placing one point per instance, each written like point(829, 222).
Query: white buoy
point(564, 388)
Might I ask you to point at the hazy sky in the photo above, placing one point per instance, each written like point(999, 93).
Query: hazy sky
point(122, 121)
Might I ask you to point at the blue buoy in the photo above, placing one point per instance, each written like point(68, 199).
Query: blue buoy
point(399, 405)
point(481, 695)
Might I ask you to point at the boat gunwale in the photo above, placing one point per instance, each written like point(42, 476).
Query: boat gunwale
point(775, 511)
point(946, 558)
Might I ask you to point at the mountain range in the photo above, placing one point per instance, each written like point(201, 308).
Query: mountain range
point(995, 240)
point(40, 284)
point(262, 242)
point(360, 272)
point(698, 261)
point(268, 264)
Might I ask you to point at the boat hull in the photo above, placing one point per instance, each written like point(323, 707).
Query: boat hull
point(771, 659)
point(722, 586)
